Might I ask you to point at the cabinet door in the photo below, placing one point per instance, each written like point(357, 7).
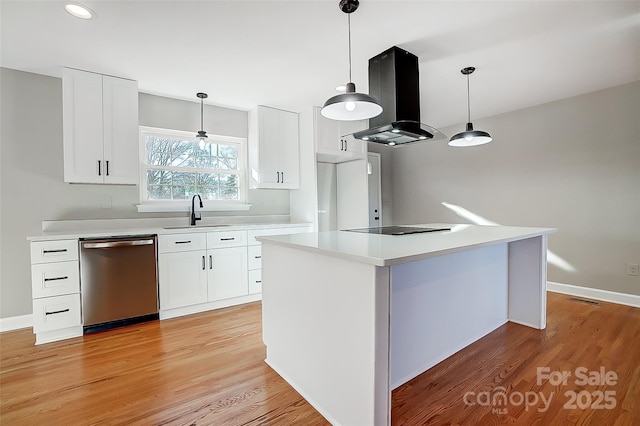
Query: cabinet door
point(289, 151)
point(183, 279)
point(270, 144)
point(327, 134)
point(255, 281)
point(273, 148)
point(82, 126)
point(120, 115)
point(227, 269)
point(335, 142)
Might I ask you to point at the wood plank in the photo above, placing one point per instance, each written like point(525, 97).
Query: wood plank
point(208, 369)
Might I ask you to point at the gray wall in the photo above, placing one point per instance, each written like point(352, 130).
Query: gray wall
point(573, 164)
point(31, 172)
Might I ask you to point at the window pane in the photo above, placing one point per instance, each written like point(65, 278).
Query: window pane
point(207, 179)
point(158, 144)
point(209, 192)
point(183, 178)
point(227, 163)
point(158, 192)
point(228, 151)
point(228, 187)
point(183, 192)
point(158, 177)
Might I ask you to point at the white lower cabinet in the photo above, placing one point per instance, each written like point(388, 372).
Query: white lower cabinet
point(55, 288)
point(182, 279)
point(199, 268)
point(255, 281)
point(55, 313)
point(227, 273)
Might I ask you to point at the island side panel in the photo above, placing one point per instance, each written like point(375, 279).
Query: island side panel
point(442, 304)
point(528, 282)
point(326, 328)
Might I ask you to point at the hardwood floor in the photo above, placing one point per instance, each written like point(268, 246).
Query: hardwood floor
point(208, 369)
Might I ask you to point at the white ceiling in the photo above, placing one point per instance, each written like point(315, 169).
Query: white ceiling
point(292, 54)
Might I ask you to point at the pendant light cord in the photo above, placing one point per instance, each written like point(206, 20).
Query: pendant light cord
point(349, 24)
point(201, 114)
point(468, 102)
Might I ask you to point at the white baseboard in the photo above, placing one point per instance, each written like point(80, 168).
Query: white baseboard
point(15, 323)
point(595, 293)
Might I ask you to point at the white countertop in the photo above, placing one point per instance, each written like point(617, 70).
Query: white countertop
point(386, 250)
point(106, 230)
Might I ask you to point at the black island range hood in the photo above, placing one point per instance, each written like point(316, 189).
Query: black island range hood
point(394, 82)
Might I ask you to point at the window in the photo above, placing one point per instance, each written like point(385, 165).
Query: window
point(174, 167)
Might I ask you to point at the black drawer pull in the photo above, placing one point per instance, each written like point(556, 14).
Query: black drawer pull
point(183, 242)
point(227, 239)
point(258, 257)
point(54, 251)
point(57, 278)
point(258, 282)
point(57, 312)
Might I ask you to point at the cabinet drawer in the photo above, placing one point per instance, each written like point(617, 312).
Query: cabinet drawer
point(182, 242)
point(226, 239)
point(255, 257)
point(255, 281)
point(54, 251)
point(52, 313)
point(252, 234)
point(55, 279)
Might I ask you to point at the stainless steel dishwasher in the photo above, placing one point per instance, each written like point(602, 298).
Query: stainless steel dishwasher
point(119, 281)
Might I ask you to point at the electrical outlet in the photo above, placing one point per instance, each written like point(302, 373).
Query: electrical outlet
point(632, 269)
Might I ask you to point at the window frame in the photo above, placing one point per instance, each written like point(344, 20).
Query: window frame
point(180, 205)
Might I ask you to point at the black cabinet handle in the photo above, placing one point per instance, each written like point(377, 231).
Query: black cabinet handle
point(282, 177)
point(56, 278)
point(107, 166)
point(258, 257)
point(57, 312)
point(210, 262)
point(227, 239)
point(54, 251)
point(258, 282)
point(346, 145)
point(203, 264)
point(183, 242)
point(99, 168)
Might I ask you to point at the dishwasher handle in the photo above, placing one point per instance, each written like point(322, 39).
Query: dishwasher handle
point(110, 244)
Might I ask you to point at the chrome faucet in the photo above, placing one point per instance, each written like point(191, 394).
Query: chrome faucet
point(193, 210)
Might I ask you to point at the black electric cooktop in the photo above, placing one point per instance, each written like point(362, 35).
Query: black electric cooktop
point(397, 230)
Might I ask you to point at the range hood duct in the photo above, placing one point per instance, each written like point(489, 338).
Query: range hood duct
point(394, 82)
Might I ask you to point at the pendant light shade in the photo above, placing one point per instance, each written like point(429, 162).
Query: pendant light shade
point(202, 135)
point(469, 137)
point(351, 105)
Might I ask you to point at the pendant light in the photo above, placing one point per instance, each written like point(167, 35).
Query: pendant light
point(202, 135)
point(469, 137)
point(350, 105)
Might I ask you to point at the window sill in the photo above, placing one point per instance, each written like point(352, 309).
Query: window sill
point(208, 207)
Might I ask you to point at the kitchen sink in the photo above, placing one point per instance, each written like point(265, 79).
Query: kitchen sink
point(193, 227)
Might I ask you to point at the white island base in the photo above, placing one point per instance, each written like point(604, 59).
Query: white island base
point(349, 317)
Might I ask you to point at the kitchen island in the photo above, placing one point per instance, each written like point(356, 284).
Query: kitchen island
point(348, 316)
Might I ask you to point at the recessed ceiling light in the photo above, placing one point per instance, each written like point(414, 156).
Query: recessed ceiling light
point(79, 11)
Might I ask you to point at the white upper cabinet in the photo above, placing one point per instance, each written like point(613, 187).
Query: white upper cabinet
point(334, 140)
point(273, 149)
point(100, 128)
